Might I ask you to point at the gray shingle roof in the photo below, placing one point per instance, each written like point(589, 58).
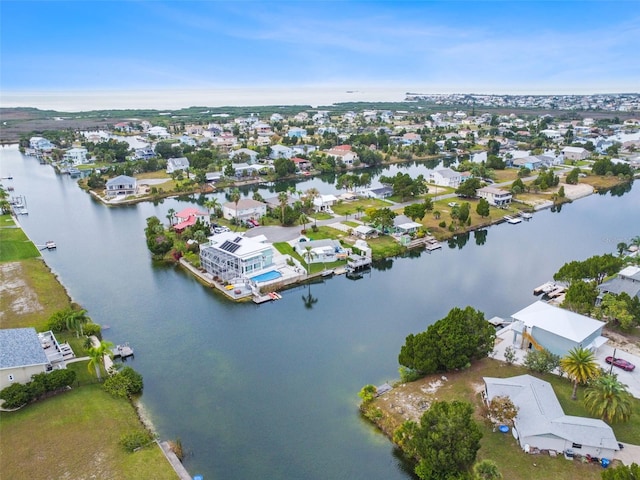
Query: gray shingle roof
point(20, 347)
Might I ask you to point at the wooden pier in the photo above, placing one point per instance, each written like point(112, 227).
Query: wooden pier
point(356, 262)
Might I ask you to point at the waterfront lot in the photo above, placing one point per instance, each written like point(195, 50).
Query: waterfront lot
point(75, 435)
point(409, 401)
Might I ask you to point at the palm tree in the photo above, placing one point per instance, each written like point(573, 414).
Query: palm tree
point(581, 366)
point(608, 398)
point(96, 357)
point(170, 215)
point(234, 196)
point(622, 247)
point(636, 241)
point(359, 210)
point(308, 255)
point(312, 194)
point(212, 205)
point(75, 319)
point(283, 198)
point(303, 219)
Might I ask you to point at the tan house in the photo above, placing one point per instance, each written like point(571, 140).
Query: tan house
point(495, 196)
point(246, 209)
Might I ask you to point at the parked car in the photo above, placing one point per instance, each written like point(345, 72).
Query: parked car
point(620, 363)
point(253, 222)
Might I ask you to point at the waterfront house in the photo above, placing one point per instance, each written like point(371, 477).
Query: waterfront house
point(323, 203)
point(177, 164)
point(246, 209)
point(544, 326)
point(41, 144)
point(76, 156)
point(21, 356)
point(531, 162)
point(160, 132)
point(365, 231)
point(302, 164)
point(280, 151)
point(121, 185)
point(343, 153)
point(495, 196)
point(379, 193)
point(231, 256)
point(541, 423)
point(303, 149)
point(403, 225)
point(627, 281)
point(188, 217)
point(320, 251)
point(445, 177)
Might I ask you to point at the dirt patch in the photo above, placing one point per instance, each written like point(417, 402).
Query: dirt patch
point(627, 342)
point(16, 296)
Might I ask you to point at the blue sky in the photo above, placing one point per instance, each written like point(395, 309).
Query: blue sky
point(447, 46)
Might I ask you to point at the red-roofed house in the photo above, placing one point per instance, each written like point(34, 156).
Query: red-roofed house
point(188, 217)
point(302, 163)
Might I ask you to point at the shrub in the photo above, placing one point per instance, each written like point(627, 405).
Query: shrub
point(92, 329)
point(124, 384)
point(58, 321)
point(442, 224)
point(542, 361)
point(134, 440)
point(408, 375)
point(15, 395)
point(368, 393)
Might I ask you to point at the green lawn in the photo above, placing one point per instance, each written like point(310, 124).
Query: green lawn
point(384, 246)
point(286, 249)
point(75, 435)
point(14, 244)
point(351, 207)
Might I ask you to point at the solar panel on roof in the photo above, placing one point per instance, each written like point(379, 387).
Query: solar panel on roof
point(228, 246)
point(237, 239)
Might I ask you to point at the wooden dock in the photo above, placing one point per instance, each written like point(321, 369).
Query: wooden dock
point(269, 297)
point(358, 262)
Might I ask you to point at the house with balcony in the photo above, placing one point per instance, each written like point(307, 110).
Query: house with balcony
point(41, 144)
point(188, 217)
point(231, 256)
point(22, 355)
point(280, 151)
point(76, 156)
point(121, 185)
point(495, 196)
point(246, 209)
point(343, 153)
point(445, 177)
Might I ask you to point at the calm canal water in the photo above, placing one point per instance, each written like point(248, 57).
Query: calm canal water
point(270, 391)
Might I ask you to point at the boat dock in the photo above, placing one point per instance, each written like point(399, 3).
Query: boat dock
point(122, 351)
point(357, 262)
point(269, 297)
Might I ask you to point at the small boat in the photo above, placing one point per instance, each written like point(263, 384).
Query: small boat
point(327, 273)
point(123, 351)
point(526, 215)
point(512, 220)
point(50, 245)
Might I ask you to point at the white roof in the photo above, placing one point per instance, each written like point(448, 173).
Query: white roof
point(247, 246)
point(447, 173)
point(558, 321)
point(409, 225)
point(363, 229)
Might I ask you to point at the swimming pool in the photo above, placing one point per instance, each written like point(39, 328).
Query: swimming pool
point(265, 277)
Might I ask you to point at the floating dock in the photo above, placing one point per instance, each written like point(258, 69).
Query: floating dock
point(122, 351)
point(269, 297)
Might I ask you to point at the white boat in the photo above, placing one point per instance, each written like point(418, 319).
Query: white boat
point(50, 245)
point(526, 215)
point(512, 220)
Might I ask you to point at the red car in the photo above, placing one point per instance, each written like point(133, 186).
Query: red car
point(620, 363)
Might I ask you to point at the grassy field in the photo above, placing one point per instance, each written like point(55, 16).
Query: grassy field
point(14, 244)
point(75, 435)
point(350, 207)
point(503, 449)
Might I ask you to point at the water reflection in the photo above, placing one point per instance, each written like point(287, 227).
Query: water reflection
point(480, 236)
